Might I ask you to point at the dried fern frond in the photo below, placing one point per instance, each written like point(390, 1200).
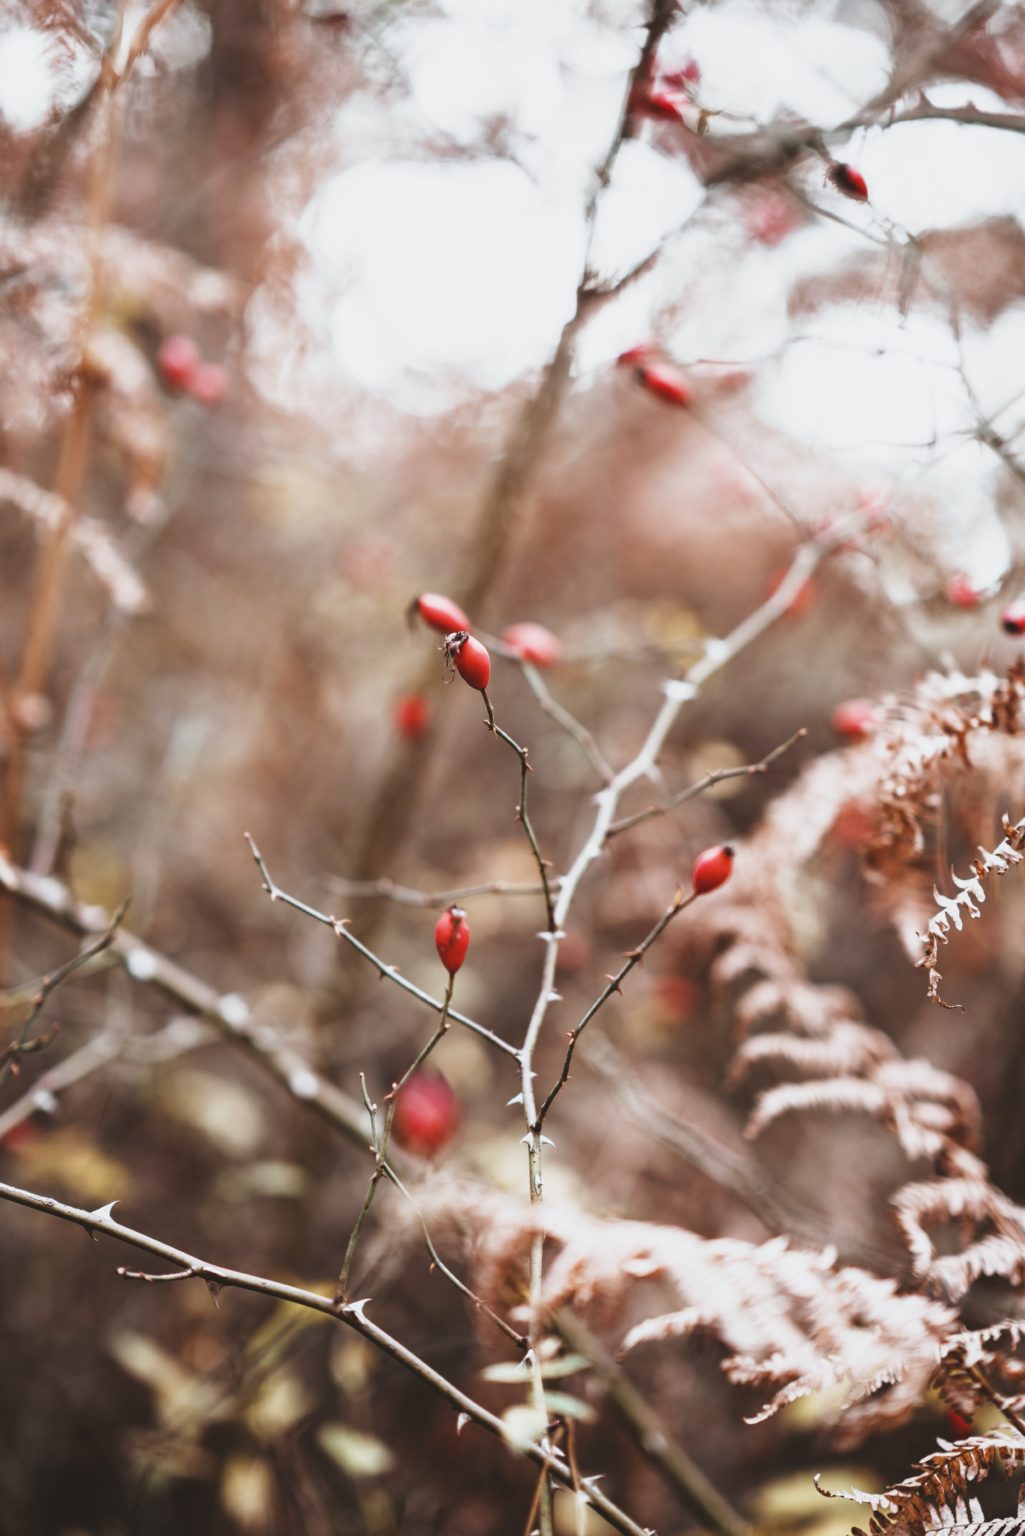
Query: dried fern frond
point(991, 1229)
point(968, 901)
point(789, 1320)
point(934, 1497)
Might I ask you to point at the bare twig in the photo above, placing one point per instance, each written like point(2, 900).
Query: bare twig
point(522, 815)
point(352, 1314)
point(339, 927)
point(405, 895)
point(702, 784)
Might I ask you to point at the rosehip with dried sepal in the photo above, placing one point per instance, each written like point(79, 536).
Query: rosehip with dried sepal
point(469, 657)
point(452, 938)
point(667, 382)
point(712, 869)
point(178, 357)
point(855, 718)
point(426, 1114)
point(412, 716)
point(1012, 619)
point(848, 180)
point(439, 612)
point(533, 642)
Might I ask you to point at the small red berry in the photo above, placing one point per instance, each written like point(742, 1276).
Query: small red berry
point(1013, 617)
point(855, 718)
point(439, 612)
point(712, 868)
point(469, 657)
point(957, 1423)
point(178, 357)
point(208, 383)
point(770, 217)
point(452, 938)
point(662, 105)
point(533, 642)
point(676, 999)
point(667, 382)
point(643, 352)
point(412, 715)
point(426, 1114)
point(684, 78)
point(963, 593)
point(849, 181)
point(854, 825)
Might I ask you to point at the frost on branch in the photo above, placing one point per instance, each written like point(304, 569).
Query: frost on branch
point(790, 1320)
point(969, 899)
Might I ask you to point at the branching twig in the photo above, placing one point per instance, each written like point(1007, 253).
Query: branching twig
point(699, 788)
point(340, 928)
point(352, 1314)
point(522, 815)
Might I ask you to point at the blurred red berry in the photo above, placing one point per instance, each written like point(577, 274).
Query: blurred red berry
point(641, 353)
point(208, 383)
point(855, 718)
point(469, 657)
point(426, 1114)
point(676, 998)
point(957, 1423)
point(683, 78)
point(667, 382)
point(854, 825)
point(452, 938)
point(19, 1137)
point(574, 953)
point(770, 217)
point(846, 179)
point(963, 593)
point(664, 106)
point(439, 612)
point(802, 599)
point(1013, 617)
point(178, 357)
point(412, 716)
point(533, 642)
point(712, 868)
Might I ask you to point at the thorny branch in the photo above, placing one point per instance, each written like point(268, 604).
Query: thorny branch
point(522, 815)
point(352, 1314)
point(339, 927)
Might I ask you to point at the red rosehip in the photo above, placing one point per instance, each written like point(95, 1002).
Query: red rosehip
point(846, 179)
point(855, 718)
point(712, 868)
point(533, 642)
point(178, 357)
point(469, 657)
point(667, 382)
point(662, 105)
point(426, 1114)
point(676, 999)
point(208, 383)
point(962, 592)
point(412, 715)
point(641, 353)
point(1013, 617)
point(452, 938)
point(854, 825)
point(439, 612)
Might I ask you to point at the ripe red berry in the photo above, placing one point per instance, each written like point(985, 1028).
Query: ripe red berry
point(712, 868)
point(412, 715)
point(452, 938)
point(643, 352)
point(469, 657)
point(855, 718)
point(439, 612)
point(426, 1114)
point(178, 357)
point(849, 181)
point(662, 105)
point(963, 592)
point(208, 383)
point(667, 382)
point(533, 642)
point(1013, 616)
